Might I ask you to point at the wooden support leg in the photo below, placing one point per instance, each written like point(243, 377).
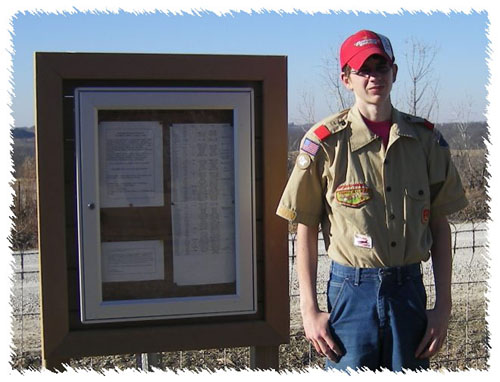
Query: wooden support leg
point(264, 357)
point(55, 365)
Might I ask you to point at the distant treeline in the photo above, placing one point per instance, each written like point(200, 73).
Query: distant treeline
point(476, 133)
point(23, 145)
point(466, 140)
point(23, 132)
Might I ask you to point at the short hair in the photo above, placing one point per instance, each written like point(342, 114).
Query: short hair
point(346, 70)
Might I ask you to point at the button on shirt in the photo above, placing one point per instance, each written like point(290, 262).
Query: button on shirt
point(373, 203)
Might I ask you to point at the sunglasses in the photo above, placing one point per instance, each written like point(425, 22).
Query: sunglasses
point(380, 70)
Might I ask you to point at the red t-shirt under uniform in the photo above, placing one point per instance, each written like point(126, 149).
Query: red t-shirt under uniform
point(381, 129)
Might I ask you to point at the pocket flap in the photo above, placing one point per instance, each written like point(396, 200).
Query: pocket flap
point(418, 193)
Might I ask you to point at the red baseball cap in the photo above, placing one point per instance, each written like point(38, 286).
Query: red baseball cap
point(363, 44)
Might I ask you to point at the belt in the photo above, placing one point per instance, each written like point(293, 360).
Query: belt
point(357, 273)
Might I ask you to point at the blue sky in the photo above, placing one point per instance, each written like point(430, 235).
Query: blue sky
point(460, 64)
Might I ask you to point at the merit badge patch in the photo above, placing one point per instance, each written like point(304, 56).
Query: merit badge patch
point(303, 161)
point(352, 195)
point(310, 147)
point(362, 241)
point(426, 213)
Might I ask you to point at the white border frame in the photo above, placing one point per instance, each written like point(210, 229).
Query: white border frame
point(88, 101)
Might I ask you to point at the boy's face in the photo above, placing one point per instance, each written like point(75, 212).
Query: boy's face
point(372, 83)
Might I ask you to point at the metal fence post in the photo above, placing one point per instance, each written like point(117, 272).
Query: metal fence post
point(146, 361)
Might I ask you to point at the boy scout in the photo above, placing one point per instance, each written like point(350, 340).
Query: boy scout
point(380, 183)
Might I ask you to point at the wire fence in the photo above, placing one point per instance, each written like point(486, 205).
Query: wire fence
point(466, 345)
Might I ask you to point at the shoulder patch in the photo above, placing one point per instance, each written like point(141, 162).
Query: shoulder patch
point(303, 161)
point(440, 139)
point(428, 124)
point(310, 147)
point(419, 120)
point(322, 132)
point(422, 121)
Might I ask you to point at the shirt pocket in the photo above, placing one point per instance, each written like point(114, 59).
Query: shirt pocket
point(352, 195)
point(416, 218)
point(352, 210)
point(417, 205)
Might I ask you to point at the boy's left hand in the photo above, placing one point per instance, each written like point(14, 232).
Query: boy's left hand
point(435, 334)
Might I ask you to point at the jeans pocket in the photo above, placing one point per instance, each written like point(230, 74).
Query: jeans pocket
point(335, 289)
point(419, 295)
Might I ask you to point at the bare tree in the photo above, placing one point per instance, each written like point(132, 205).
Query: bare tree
point(307, 107)
point(306, 116)
point(24, 232)
point(471, 160)
point(422, 97)
point(341, 98)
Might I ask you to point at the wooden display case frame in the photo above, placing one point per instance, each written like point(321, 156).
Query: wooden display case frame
point(63, 335)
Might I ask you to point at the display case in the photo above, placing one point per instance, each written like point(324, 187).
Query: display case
point(158, 179)
point(166, 215)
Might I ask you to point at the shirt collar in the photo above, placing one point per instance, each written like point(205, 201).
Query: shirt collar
point(361, 135)
point(401, 125)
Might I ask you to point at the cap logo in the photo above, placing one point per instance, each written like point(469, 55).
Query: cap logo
point(366, 42)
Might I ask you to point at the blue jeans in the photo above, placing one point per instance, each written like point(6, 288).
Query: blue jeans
point(377, 317)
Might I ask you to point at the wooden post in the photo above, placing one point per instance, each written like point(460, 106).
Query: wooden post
point(264, 357)
point(55, 365)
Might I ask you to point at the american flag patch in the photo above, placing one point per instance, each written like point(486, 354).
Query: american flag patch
point(310, 147)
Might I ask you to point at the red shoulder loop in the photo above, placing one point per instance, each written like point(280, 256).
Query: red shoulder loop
point(429, 125)
point(322, 132)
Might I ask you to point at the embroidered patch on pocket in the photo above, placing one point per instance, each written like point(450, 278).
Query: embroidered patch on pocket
point(352, 195)
point(426, 213)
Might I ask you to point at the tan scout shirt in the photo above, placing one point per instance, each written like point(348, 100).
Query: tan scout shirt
point(374, 204)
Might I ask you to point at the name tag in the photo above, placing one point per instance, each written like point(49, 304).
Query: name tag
point(362, 241)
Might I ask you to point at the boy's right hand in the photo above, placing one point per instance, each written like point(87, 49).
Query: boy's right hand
point(317, 332)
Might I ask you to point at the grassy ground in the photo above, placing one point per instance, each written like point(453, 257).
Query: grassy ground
point(466, 348)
